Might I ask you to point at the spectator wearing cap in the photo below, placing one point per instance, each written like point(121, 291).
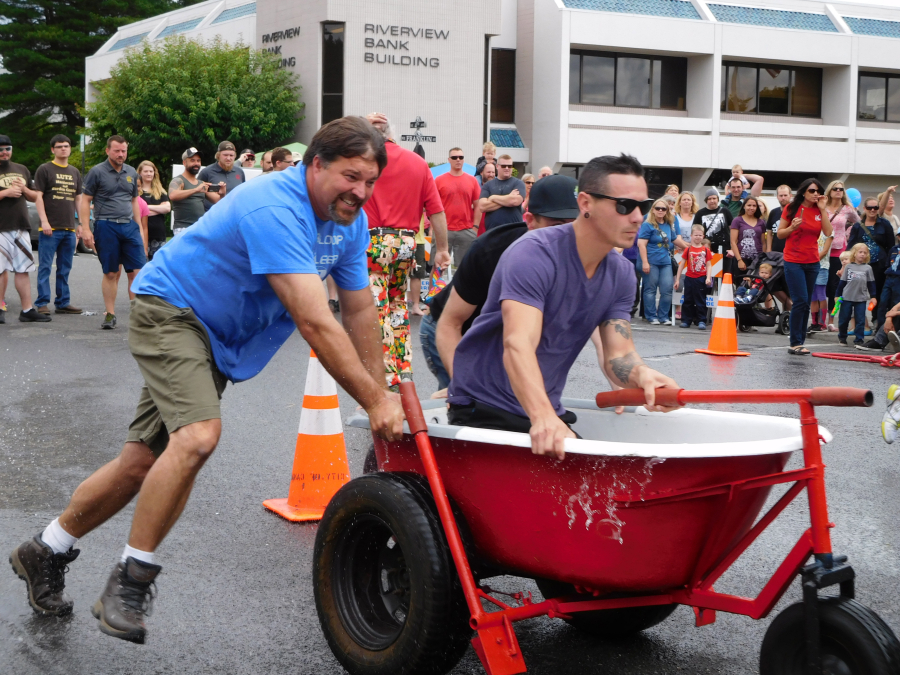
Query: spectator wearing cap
point(15, 228)
point(114, 189)
point(282, 158)
point(459, 194)
point(266, 163)
point(223, 172)
point(455, 308)
point(247, 159)
point(187, 193)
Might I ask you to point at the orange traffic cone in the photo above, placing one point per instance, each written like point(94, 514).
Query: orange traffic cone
point(723, 339)
point(320, 460)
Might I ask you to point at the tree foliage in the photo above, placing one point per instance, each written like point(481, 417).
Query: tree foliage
point(43, 44)
point(166, 97)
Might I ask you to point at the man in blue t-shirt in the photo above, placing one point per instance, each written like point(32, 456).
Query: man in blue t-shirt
point(215, 305)
point(552, 288)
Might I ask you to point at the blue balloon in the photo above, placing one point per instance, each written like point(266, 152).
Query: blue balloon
point(854, 197)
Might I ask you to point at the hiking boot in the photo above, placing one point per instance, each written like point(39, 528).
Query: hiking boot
point(34, 316)
point(44, 573)
point(69, 309)
point(126, 600)
point(870, 346)
point(109, 322)
point(43, 310)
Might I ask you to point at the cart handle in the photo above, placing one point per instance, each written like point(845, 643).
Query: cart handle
point(829, 396)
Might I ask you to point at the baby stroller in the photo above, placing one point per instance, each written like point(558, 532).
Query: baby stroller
point(754, 313)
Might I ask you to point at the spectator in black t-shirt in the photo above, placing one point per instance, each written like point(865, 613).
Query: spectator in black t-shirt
point(158, 202)
point(453, 310)
point(773, 243)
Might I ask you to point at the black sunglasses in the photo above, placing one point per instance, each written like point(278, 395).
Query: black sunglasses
point(837, 189)
point(872, 208)
point(505, 166)
point(456, 157)
point(624, 206)
point(660, 208)
point(813, 191)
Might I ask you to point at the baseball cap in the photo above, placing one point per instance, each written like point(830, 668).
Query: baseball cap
point(247, 151)
point(4, 140)
point(226, 145)
point(554, 197)
point(190, 152)
point(296, 157)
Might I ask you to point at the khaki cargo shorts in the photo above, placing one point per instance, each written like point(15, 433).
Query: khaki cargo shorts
point(181, 382)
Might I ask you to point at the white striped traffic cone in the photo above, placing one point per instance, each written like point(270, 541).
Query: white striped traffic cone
point(723, 339)
point(320, 460)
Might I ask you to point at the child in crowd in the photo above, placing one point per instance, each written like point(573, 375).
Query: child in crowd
point(857, 286)
point(747, 292)
point(488, 150)
point(697, 258)
point(845, 259)
point(891, 419)
point(818, 305)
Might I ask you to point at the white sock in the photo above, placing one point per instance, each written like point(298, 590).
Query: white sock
point(57, 538)
point(143, 556)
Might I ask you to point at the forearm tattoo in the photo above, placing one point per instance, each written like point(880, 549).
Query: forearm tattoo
point(623, 365)
point(621, 326)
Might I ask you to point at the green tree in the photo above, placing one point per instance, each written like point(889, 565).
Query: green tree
point(43, 44)
point(168, 96)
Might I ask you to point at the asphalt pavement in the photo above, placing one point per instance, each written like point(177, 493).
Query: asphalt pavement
point(235, 593)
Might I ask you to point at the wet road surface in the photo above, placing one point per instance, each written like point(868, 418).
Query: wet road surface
point(235, 593)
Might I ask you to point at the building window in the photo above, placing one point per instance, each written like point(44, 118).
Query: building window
point(879, 97)
point(771, 90)
point(627, 80)
point(332, 71)
point(503, 85)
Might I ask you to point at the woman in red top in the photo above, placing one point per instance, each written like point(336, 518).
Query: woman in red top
point(801, 223)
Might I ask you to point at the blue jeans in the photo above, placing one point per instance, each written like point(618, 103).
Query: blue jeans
point(429, 349)
point(859, 316)
point(801, 281)
point(60, 244)
point(659, 277)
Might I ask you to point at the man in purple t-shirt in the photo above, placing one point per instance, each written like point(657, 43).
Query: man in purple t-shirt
point(551, 289)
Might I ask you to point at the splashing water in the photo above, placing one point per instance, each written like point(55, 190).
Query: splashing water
point(601, 480)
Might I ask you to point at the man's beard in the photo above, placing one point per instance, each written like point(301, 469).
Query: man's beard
point(340, 220)
point(193, 170)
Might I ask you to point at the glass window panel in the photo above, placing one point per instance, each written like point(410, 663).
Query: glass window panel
point(741, 89)
point(871, 97)
point(774, 84)
point(574, 78)
point(893, 100)
point(633, 82)
point(503, 85)
point(598, 76)
point(656, 83)
point(332, 58)
point(672, 84)
point(724, 88)
point(806, 92)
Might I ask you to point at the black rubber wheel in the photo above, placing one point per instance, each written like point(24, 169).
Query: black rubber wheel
point(854, 639)
point(744, 328)
point(370, 465)
point(608, 623)
point(783, 327)
point(387, 594)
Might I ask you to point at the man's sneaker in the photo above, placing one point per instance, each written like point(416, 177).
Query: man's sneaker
point(843, 341)
point(654, 322)
point(870, 346)
point(34, 316)
point(44, 572)
point(667, 322)
point(894, 339)
point(69, 309)
point(701, 326)
point(685, 324)
point(891, 418)
point(126, 600)
point(43, 310)
point(817, 328)
point(109, 322)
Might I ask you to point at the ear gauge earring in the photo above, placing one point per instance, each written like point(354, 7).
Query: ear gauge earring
point(587, 214)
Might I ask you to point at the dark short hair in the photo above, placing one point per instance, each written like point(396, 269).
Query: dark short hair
point(592, 178)
point(115, 138)
point(349, 136)
point(281, 155)
point(59, 138)
point(736, 180)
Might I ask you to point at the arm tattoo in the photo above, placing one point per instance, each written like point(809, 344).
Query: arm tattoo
point(621, 326)
point(623, 365)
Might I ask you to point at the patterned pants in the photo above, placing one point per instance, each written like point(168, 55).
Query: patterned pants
point(391, 259)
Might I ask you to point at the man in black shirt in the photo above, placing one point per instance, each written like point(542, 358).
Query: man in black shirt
point(773, 243)
point(552, 202)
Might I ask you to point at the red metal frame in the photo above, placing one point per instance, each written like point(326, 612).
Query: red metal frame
point(496, 643)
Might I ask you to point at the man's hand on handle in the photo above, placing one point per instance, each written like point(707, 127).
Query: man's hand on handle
point(649, 380)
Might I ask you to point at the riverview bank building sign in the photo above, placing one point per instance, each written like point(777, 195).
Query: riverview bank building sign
point(404, 58)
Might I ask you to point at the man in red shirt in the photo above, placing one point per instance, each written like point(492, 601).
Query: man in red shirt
point(404, 189)
point(459, 194)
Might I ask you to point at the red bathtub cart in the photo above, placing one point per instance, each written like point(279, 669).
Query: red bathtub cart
point(647, 512)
